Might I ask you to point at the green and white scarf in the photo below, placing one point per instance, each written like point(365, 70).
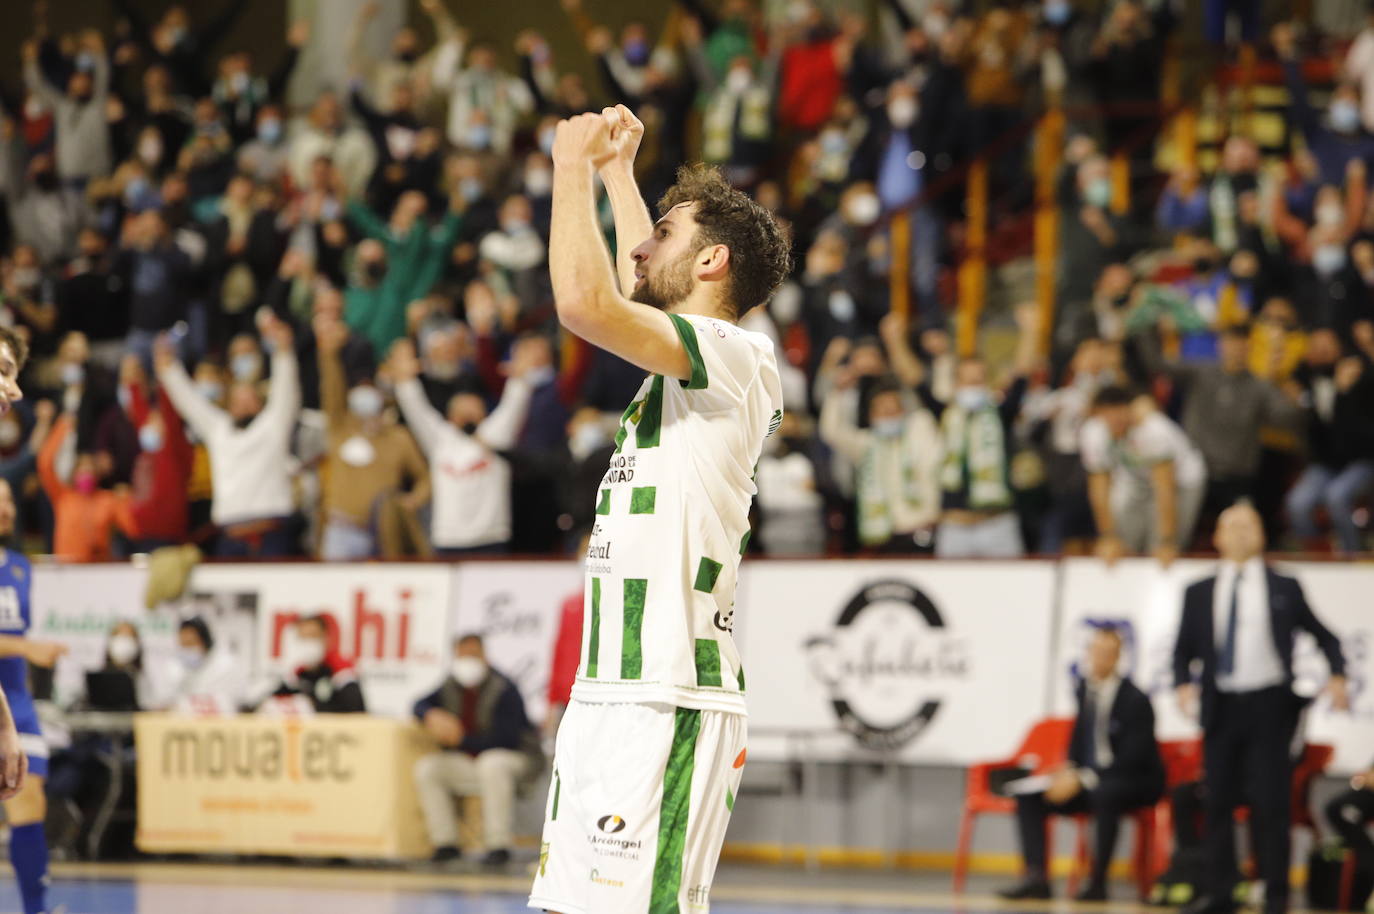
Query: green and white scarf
point(883, 459)
point(975, 457)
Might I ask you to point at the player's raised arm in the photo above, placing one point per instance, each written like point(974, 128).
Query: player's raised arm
point(632, 220)
point(584, 285)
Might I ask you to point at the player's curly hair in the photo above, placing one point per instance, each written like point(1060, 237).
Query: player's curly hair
point(760, 254)
point(18, 348)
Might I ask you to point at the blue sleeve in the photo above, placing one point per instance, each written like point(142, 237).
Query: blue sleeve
point(426, 704)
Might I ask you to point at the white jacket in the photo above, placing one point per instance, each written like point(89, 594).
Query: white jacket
point(250, 468)
point(471, 482)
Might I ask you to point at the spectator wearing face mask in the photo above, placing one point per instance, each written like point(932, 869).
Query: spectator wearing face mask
point(471, 478)
point(737, 124)
point(517, 252)
point(94, 300)
point(205, 678)
point(485, 104)
point(26, 293)
point(318, 674)
point(159, 280)
point(1341, 137)
point(85, 516)
point(158, 501)
point(398, 263)
point(40, 213)
point(264, 157)
point(488, 748)
point(371, 461)
point(325, 134)
point(1090, 234)
point(791, 511)
point(590, 447)
point(241, 95)
point(83, 136)
point(249, 442)
point(404, 63)
point(977, 520)
point(896, 461)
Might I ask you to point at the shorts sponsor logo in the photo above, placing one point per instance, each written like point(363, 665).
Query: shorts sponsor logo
point(602, 880)
point(887, 663)
point(699, 896)
point(603, 845)
point(611, 824)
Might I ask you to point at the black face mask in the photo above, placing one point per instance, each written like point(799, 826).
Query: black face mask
point(1204, 265)
point(244, 422)
point(46, 181)
point(375, 270)
point(794, 443)
point(408, 56)
point(469, 428)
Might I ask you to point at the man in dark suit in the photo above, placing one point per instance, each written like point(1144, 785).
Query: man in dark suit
point(1240, 624)
point(1113, 767)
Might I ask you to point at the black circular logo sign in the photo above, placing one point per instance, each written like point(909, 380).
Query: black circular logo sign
point(610, 824)
point(884, 661)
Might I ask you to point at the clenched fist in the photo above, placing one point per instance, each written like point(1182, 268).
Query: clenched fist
point(626, 133)
point(583, 139)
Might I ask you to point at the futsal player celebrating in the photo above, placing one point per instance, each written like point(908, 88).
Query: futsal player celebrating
point(650, 750)
point(25, 804)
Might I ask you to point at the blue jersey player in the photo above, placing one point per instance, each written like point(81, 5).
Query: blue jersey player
point(20, 738)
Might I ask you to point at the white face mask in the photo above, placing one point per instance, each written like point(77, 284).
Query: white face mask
point(123, 649)
point(890, 427)
point(971, 399)
point(10, 433)
point(73, 374)
point(739, 80)
point(1328, 259)
point(150, 438)
point(1330, 214)
point(901, 111)
point(469, 671)
point(191, 657)
point(309, 652)
point(588, 437)
point(864, 209)
point(365, 402)
point(538, 182)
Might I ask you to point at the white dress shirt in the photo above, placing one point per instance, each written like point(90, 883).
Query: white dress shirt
point(1103, 695)
point(1257, 664)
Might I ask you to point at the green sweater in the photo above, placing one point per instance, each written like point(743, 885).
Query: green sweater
point(415, 262)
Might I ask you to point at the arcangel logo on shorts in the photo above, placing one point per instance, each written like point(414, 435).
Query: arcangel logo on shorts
point(611, 824)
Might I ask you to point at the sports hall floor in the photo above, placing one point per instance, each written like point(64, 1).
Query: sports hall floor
point(208, 889)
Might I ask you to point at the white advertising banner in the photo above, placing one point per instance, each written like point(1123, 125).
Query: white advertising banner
point(1145, 601)
point(389, 620)
point(515, 607)
point(77, 605)
point(940, 663)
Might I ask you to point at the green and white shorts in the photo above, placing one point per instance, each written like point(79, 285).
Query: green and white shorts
point(637, 810)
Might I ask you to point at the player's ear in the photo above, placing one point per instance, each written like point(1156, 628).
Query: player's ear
point(713, 262)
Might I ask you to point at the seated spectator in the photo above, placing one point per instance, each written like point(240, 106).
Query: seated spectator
point(488, 747)
point(205, 679)
point(249, 443)
point(1338, 398)
point(1338, 137)
point(1113, 767)
point(1350, 814)
point(1146, 480)
point(124, 654)
point(85, 516)
point(372, 460)
point(320, 675)
point(472, 481)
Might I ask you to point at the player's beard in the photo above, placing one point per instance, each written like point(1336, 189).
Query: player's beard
point(669, 286)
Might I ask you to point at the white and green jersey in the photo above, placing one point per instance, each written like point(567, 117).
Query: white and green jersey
point(672, 521)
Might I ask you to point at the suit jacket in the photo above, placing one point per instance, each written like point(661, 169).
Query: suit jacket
point(1131, 735)
point(1288, 614)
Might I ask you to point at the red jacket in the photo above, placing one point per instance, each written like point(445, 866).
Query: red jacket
point(159, 501)
point(567, 652)
point(810, 84)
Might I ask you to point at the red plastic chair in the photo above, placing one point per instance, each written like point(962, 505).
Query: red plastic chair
point(1048, 742)
point(1153, 824)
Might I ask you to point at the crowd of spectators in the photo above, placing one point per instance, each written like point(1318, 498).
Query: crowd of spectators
point(329, 331)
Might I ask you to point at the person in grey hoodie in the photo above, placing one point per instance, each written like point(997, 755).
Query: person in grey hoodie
point(83, 134)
